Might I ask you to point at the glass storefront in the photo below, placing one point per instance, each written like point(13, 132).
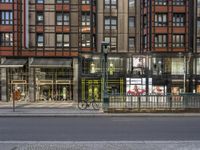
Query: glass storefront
point(136, 86)
point(18, 80)
point(136, 65)
point(91, 89)
point(198, 89)
point(54, 84)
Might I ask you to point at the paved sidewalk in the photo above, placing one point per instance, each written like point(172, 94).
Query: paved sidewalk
point(45, 109)
point(69, 109)
point(92, 145)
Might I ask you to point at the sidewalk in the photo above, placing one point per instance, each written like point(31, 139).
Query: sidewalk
point(69, 109)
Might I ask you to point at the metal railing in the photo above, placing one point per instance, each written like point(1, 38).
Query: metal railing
point(155, 102)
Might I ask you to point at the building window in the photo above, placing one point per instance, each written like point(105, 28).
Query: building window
point(161, 40)
point(131, 22)
point(178, 19)
point(85, 18)
point(178, 40)
point(62, 1)
point(6, 17)
point(110, 4)
point(6, 1)
point(160, 19)
point(198, 22)
point(160, 2)
point(110, 23)
point(131, 42)
point(198, 3)
point(145, 41)
point(197, 66)
point(198, 44)
point(145, 3)
point(86, 2)
point(40, 18)
point(131, 3)
point(178, 2)
point(62, 40)
point(145, 21)
point(113, 43)
point(6, 39)
point(40, 1)
point(40, 40)
point(86, 38)
point(62, 18)
point(177, 66)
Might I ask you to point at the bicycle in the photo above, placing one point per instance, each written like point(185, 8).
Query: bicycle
point(84, 104)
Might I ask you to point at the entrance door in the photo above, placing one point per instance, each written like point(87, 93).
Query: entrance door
point(91, 89)
point(44, 90)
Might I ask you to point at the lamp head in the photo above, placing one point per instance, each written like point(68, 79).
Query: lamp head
point(105, 46)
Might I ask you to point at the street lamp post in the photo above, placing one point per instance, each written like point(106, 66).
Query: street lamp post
point(186, 67)
point(104, 51)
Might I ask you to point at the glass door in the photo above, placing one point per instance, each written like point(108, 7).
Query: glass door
point(44, 90)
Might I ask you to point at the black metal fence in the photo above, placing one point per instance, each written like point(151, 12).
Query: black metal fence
point(154, 103)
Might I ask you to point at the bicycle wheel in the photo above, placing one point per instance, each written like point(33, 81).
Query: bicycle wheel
point(96, 105)
point(82, 105)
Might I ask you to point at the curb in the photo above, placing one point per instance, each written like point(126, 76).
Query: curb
point(101, 115)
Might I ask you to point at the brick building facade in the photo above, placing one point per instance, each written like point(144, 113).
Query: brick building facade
point(51, 49)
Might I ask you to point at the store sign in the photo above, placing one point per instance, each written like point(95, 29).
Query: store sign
point(136, 81)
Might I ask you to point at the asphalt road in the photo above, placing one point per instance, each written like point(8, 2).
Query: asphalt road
point(100, 129)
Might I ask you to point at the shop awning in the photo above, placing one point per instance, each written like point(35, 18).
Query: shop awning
point(51, 63)
point(13, 63)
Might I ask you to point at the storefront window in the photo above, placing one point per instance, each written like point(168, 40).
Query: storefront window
point(91, 65)
point(177, 66)
point(198, 66)
point(54, 84)
point(136, 86)
point(115, 65)
point(157, 67)
point(94, 66)
point(18, 80)
point(136, 65)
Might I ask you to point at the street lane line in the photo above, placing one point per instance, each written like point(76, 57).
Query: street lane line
point(98, 142)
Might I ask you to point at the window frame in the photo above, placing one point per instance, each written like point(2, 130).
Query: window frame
point(178, 21)
point(160, 40)
point(6, 17)
point(109, 23)
point(110, 4)
point(40, 1)
point(37, 19)
point(62, 1)
point(3, 41)
point(39, 42)
point(162, 22)
point(63, 42)
point(6, 1)
point(178, 2)
point(177, 40)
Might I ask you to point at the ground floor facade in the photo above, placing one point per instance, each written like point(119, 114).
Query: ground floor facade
point(80, 78)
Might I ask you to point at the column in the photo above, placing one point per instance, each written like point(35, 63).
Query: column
point(4, 96)
point(75, 80)
point(31, 81)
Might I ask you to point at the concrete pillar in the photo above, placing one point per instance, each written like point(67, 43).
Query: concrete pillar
point(4, 96)
point(31, 82)
point(75, 79)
